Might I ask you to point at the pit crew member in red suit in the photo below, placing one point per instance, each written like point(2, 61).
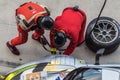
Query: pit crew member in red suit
point(30, 16)
point(69, 25)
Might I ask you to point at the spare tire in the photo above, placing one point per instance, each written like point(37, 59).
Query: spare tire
point(95, 48)
point(106, 34)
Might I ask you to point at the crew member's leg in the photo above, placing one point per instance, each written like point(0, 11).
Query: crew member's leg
point(37, 35)
point(82, 31)
point(20, 39)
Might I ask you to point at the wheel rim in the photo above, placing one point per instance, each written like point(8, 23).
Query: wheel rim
point(105, 31)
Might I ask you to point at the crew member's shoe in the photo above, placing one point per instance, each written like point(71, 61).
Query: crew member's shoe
point(13, 49)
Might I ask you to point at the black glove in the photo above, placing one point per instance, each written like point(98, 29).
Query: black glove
point(43, 40)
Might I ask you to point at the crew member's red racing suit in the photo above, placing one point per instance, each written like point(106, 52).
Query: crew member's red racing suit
point(30, 11)
point(73, 24)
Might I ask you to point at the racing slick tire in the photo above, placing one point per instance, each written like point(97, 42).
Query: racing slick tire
point(106, 34)
point(95, 48)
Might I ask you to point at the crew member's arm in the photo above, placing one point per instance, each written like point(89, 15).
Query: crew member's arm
point(52, 33)
point(53, 48)
point(71, 46)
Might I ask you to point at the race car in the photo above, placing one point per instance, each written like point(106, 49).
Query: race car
point(54, 67)
point(94, 73)
point(63, 67)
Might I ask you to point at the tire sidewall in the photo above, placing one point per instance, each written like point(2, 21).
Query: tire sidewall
point(95, 48)
point(89, 35)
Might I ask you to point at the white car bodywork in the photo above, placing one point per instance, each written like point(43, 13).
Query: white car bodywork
point(56, 67)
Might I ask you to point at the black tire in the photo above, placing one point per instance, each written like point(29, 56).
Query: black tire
point(95, 48)
point(94, 43)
